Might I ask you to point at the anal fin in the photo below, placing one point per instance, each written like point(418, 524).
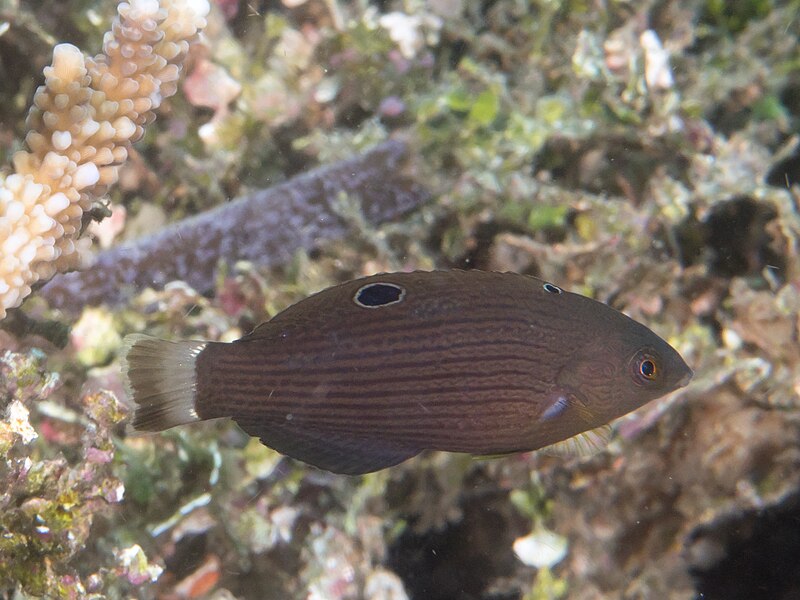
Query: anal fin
point(336, 452)
point(497, 455)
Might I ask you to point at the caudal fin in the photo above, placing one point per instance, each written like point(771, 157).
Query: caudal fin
point(160, 377)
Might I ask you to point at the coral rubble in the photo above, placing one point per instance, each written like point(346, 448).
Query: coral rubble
point(50, 499)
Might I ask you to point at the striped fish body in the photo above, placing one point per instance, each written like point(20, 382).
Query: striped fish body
point(367, 374)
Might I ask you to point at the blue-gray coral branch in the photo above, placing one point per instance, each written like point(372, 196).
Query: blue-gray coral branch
point(266, 227)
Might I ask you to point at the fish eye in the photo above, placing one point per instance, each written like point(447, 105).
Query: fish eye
point(648, 369)
point(552, 289)
point(375, 295)
point(645, 367)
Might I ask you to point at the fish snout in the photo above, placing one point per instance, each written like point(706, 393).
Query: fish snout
point(687, 377)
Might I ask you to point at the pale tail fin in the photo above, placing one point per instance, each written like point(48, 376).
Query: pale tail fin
point(160, 378)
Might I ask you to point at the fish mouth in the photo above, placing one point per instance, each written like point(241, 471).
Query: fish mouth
point(684, 381)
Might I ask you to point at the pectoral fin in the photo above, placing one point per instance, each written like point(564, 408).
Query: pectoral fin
point(583, 444)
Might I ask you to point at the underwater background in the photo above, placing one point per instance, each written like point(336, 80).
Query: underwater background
point(645, 154)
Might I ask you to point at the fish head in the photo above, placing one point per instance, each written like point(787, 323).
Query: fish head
point(622, 366)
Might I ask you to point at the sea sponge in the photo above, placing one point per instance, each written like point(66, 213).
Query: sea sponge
point(81, 124)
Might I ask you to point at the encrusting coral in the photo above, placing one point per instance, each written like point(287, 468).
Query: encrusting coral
point(83, 120)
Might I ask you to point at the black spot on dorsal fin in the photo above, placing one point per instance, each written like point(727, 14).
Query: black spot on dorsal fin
point(376, 295)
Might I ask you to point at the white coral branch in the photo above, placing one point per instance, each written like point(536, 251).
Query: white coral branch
point(81, 125)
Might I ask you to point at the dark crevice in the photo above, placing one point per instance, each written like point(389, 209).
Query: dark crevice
point(748, 556)
point(615, 166)
point(738, 239)
point(735, 239)
point(785, 173)
point(463, 560)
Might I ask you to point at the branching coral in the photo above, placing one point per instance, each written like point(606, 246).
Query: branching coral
point(83, 120)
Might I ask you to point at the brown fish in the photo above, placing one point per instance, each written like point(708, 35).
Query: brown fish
point(367, 374)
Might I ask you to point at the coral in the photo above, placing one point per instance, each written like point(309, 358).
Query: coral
point(82, 123)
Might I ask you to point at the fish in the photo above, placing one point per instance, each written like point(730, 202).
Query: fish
point(367, 374)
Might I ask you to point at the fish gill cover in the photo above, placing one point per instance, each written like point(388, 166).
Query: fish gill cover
point(642, 155)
